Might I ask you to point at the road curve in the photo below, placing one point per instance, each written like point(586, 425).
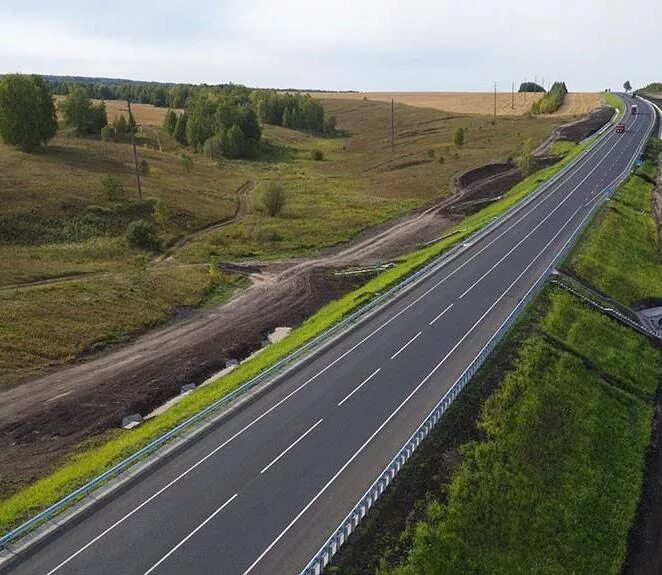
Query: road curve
point(262, 490)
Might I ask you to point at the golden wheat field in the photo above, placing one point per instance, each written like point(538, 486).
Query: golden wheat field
point(473, 102)
point(145, 114)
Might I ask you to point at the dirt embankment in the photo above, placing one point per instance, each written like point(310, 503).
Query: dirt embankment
point(476, 187)
point(582, 129)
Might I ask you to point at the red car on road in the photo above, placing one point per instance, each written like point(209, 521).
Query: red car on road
point(620, 128)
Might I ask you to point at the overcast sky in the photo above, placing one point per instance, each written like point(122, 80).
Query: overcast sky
point(437, 45)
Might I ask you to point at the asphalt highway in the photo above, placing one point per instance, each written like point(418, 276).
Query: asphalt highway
point(262, 490)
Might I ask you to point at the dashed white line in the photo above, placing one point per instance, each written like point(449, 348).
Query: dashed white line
point(405, 346)
point(404, 402)
point(366, 380)
point(191, 534)
point(528, 235)
point(291, 446)
point(441, 314)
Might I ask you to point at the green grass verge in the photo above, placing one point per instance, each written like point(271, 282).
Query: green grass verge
point(620, 254)
point(615, 102)
point(119, 444)
point(554, 485)
point(611, 347)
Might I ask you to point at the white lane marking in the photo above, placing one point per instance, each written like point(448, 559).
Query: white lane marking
point(257, 419)
point(528, 235)
point(405, 346)
point(366, 380)
point(405, 401)
point(594, 199)
point(191, 534)
point(310, 429)
point(441, 314)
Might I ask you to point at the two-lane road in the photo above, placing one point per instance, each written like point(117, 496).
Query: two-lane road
point(265, 487)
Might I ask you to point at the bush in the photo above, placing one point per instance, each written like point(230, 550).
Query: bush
point(142, 235)
point(113, 189)
point(458, 137)
point(144, 167)
point(430, 153)
point(81, 114)
point(213, 147)
point(527, 163)
point(120, 126)
point(273, 199)
point(187, 163)
point(317, 155)
point(267, 235)
point(108, 133)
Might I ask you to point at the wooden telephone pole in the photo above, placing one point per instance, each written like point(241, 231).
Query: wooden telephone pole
point(135, 153)
point(495, 99)
point(392, 124)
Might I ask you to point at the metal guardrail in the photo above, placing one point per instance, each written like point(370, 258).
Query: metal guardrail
point(279, 367)
point(610, 311)
point(323, 557)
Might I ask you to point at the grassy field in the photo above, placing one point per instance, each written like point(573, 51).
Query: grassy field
point(553, 485)
point(59, 227)
point(474, 102)
point(362, 182)
point(620, 254)
point(44, 325)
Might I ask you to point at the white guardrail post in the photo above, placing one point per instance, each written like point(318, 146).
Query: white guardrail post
point(313, 346)
point(326, 552)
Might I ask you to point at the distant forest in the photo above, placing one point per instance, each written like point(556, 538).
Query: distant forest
point(161, 94)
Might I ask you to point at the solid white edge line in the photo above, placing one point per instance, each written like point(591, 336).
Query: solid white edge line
point(405, 346)
point(438, 316)
point(282, 454)
point(366, 380)
point(191, 534)
point(405, 401)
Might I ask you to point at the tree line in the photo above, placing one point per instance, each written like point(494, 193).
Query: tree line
point(300, 112)
point(227, 122)
point(219, 121)
point(160, 95)
point(552, 100)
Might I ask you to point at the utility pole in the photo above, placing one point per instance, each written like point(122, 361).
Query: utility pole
point(512, 99)
point(392, 124)
point(135, 153)
point(495, 99)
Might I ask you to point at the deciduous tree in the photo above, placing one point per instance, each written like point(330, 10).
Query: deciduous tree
point(27, 112)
